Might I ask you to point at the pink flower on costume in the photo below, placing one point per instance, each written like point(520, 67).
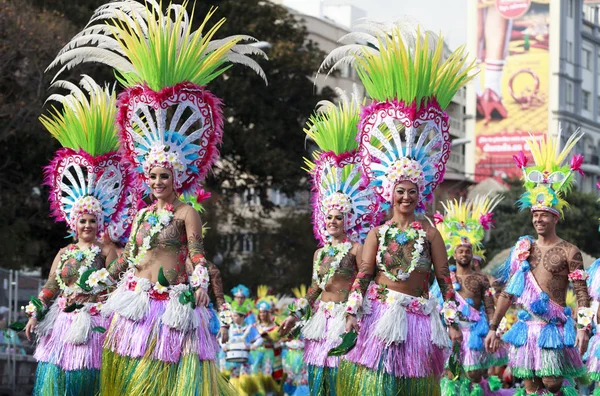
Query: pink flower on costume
point(414, 306)
point(416, 225)
point(578, 275)
point(522, 249)
point(393, 247)
point(372, 292)
point(62, 303)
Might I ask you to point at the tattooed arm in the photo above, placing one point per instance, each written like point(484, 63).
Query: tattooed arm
point(366, 262)
point(579, 284)
point(51, 288)
point(488, 298)
point(439, 257)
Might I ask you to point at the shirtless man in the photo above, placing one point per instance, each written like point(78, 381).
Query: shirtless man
point(543, 349)
point(473, 291)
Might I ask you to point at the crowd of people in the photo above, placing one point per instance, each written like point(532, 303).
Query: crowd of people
point(127, 308)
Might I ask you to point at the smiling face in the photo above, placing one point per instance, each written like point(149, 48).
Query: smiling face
point(463, 255)
point(406, 197)
point(544, 223)
point(87, 228)
point(161, 182)
point(334, 223)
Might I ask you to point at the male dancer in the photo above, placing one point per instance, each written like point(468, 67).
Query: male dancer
point(545, 345)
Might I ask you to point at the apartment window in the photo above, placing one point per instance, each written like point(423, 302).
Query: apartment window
point(586, 59)
point(569, 51)
point(569, 93)
point(586, 100)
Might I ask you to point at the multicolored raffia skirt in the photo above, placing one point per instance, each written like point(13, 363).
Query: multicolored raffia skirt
point(157, 345)
point(322, 333)
point(401, 347)
point(472, 358)
point(69, 351)
point(528, 359)
point(593, 360)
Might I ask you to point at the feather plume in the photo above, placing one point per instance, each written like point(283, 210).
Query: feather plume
point(147, 46)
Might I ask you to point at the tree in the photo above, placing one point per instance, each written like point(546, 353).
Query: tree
point(580, 225)
point(29, 40)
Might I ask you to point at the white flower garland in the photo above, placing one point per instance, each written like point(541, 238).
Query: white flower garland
point(387, 233)
point(87, 256)
point(158, 222)
point(341, 250)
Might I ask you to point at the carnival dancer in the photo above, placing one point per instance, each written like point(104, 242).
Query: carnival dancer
point(343, 209)
point(404, 142)
point(546, 342)
point(267, 365)
point(89, 189)
point(159, 340)
point(243, 337)
point(241, 298)
point(463, 227)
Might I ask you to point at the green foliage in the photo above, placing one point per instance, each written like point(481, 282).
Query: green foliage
point(580, 225)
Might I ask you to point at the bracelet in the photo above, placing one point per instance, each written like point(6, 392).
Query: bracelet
point(200, 278)
point(493, 326)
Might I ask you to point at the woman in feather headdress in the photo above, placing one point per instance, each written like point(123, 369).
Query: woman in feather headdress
point(159, 340)
point(344, 209)
point(90, 190)
point(404, 144)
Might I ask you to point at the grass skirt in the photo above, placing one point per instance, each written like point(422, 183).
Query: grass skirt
point(143, 355)
point(322, 333)
point(401, 347)
point(66, 367)
point(593, 360)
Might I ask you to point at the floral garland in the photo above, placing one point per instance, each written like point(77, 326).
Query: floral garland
point(225, 315)
point(390, 236)
point(339, 251)
point(578, 275)
point(585, 318)
point(158, 220)
point(96, 281)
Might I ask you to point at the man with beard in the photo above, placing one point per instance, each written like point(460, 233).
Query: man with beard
point(463, 228)
point(545, 343)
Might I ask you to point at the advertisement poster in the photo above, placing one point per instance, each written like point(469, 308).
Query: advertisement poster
point(512, 85)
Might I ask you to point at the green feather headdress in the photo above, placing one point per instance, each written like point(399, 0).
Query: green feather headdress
point(86, 122)
point(400, 62)
point(146, 46)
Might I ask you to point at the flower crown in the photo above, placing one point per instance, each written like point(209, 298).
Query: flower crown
point(161, 156)
point(337, 201)
point(86, 205)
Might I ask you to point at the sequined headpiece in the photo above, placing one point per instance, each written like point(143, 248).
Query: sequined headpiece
point(87, 176)
point(336, 172)
point(167, 117)
point(403, 134)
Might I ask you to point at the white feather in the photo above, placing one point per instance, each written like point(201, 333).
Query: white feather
point(249, 62)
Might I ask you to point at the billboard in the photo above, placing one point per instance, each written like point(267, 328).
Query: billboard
point(513, 84)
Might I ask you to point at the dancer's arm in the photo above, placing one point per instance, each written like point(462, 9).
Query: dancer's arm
point(46, 295)
point(439, 257)
point(314, 291)
point(502, 306)
point(585, 315)
point(488, 298)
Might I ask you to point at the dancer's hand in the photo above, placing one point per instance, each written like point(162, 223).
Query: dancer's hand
point(455, 335)
point(581, 342)
point(223, 334)
point(491, 341)
point(287, 325)
point(30, 326)
point(201, 298)
point(351, 323)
